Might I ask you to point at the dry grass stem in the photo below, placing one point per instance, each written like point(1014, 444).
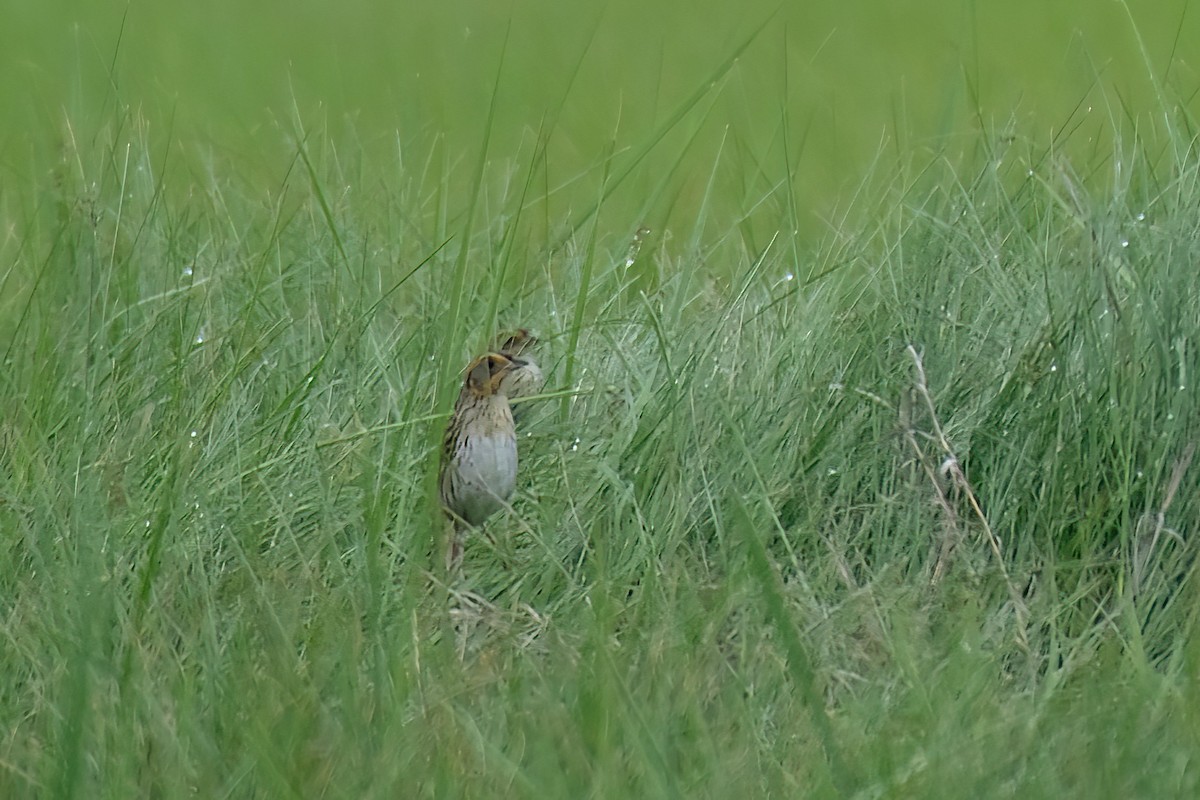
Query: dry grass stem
point(951, 470)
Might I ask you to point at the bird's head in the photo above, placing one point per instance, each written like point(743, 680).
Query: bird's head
point(486, 374)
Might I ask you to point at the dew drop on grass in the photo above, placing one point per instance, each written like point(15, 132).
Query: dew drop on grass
point(635, 246)
point(1141, 216)
point(1124, 243)
point(789, 277)
point(187, 272)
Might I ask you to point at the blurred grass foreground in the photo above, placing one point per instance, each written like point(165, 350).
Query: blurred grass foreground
point(867, 466)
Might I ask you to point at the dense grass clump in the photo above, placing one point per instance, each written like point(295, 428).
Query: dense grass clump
point(886, 496)
point(908, 513)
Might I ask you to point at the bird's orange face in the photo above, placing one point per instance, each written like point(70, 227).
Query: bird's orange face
point(486, 373)
point(526, 378)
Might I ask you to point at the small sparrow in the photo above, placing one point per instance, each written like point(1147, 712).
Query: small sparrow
point(526, 379)
point(479, 453)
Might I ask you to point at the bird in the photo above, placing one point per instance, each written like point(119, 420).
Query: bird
point(526, 379)
point(478, 471)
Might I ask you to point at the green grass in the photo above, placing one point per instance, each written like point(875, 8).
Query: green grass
point(868, 473)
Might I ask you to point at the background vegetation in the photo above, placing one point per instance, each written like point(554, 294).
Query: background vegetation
point(866, 470)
